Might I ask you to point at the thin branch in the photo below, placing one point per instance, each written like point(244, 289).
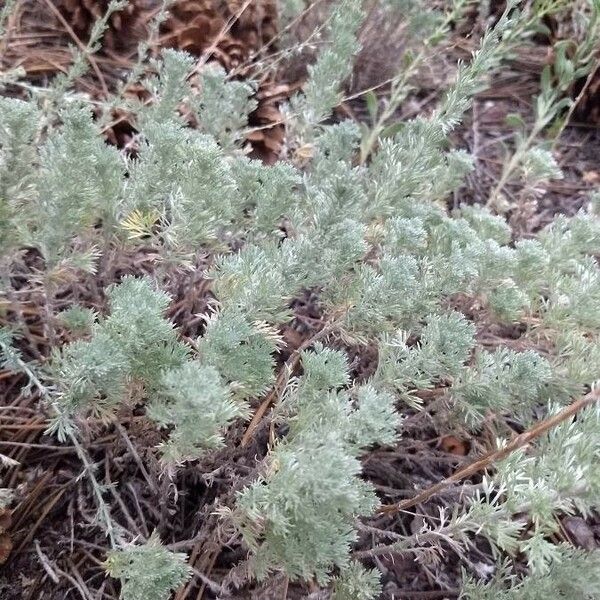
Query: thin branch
point(590, 78)
point(221, 36)
point(281, 381)
point(82, 47)
point(491, 457)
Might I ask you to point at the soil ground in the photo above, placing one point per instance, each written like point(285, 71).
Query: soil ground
point(54, 548)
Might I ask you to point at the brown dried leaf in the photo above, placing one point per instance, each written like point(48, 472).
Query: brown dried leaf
point(5, 519)
point(452, 445)
point(591, 177)
point(6, 547)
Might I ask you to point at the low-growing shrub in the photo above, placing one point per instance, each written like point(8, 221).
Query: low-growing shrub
point(356, 217)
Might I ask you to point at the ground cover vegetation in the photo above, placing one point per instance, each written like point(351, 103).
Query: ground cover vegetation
point(228, 365)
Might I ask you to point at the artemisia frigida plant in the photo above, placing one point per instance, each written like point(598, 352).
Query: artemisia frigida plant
point(361, 221)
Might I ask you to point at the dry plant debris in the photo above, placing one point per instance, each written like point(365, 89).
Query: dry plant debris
point(54, 523)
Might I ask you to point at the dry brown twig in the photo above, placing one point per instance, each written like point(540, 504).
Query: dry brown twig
point(80, 45)
point(281, 381)
point(490, 458)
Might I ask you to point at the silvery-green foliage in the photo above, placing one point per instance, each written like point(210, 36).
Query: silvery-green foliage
point(422, 19)
point(169, 87)
point(487, 225)
point(539, 165)
point(334, 188)
point(517, 508)
point(91, 377)
point(71, 200)
point(6, 497)
point(334, 191)
point(133, 342)
point(6, 344)
point(61, 84)
point(136, 344)
point(331, 252)
point(573, 574)
point(298, 515)
point(78, 319)
point(445, 345)
point(181, 176)
point(197, 404)
point(561, 475)
point(571, 238)
point(375, 245)
point(594, 201)
point(356, 583)
point(242, 351)
point(139, 329)
point(484, 61)
point(224, 105)
point(575, 297)
point(406, 236)
point(374, 419)
point(260, 185)
point(18, 124)
point(147, 571)
point(579, 359)
point(337, 143)
point(255, 281)
point(389, 296)
point(407, 166)
point(290, 9)
point(10, 357)
point(532, 266)
point(571, 61)
point(321, 93)
point(443, 349)
point(324, 368)
point(508, 302)
point(501, 381)
point(5, 12)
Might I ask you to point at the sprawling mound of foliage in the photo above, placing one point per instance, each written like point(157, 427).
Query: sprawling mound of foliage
point(355, 216)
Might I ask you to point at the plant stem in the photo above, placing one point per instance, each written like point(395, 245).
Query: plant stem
point(400, 90)
point(279, 385)
point(491, 457)
point(513, 164)
point(103, 509)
